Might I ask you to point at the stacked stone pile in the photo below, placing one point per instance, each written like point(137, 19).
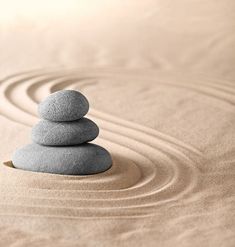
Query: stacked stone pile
point(60, 140)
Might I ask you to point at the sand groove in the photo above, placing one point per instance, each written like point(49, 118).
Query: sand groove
point(150, 167)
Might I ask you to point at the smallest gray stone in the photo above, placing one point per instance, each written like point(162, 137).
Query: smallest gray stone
point(64, 105)
point(64, 133)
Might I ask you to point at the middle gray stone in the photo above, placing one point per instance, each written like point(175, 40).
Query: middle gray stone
point(64, 133)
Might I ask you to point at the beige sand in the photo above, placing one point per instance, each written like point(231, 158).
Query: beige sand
point(170, 129)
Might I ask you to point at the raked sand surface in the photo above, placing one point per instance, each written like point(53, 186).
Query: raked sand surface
point(167, 116)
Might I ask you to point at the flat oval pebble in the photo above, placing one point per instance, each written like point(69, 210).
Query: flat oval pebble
point(64, 105)
point(64, 133)
point(84, 159)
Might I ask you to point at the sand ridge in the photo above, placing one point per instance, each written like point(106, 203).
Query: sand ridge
point(154, 171)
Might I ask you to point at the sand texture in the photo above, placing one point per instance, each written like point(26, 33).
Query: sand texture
point(166, 113)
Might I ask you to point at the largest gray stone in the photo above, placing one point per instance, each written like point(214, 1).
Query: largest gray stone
point(64, 105)
point(64, 133)
point(84, 159)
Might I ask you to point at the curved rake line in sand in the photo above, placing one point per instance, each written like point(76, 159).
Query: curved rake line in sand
point(169, 184)
point(93, 110)
point(145, 197)
point(153, 182)
point(217, 91)
point(148, 147)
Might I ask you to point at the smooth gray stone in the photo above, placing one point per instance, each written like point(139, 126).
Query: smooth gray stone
point(64, 105)
point(64, 133)
point(84, 159)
